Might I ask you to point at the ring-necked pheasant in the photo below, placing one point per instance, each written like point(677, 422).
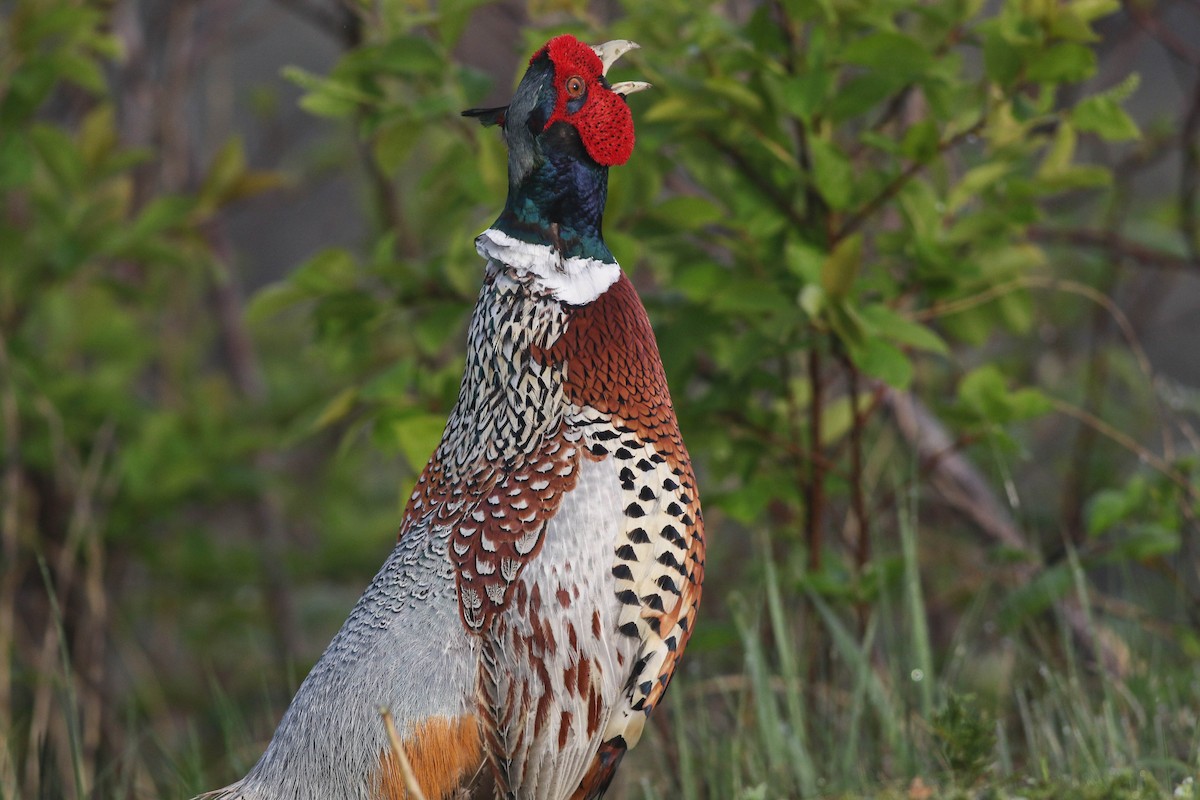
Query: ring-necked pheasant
point(548, 569)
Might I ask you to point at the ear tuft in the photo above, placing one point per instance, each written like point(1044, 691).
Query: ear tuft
point(488, 116)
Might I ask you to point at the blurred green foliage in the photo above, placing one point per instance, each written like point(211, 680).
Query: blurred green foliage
point(833, 207)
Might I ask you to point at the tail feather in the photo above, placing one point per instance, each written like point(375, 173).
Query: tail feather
point(600, 774)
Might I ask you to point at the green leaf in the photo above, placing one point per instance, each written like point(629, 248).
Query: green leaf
point(1148, 541)
point(393, 143)
point(437, 326)
point(812, 300)
point(748, 502)
point(922, 206)
point(330, 270)
point(804, 260)
point(735, 92)
point(1028, 403)
point(1016, 310)
point(1104, 117)
point(892, 325)
point(1120, 92)
point(836, 419)
point(226, 170)
point(975, 181)
point(1061, 153)
point(831, 173)
point(329, 104)
point(273, 299)
point(841, 267)
point(393, 385)
point(16, 159)
point(1001, 59)
point(920, 142)
point(1077, 176)
point(1071, 27)
point(681, 109)
point(1094, 9)
point(63, 20)
point(1108, 507)
point(98, 134)
point(1066, 62)
point(1034, 597)
point(902, 57)
point(327, 97)
point(862, 93)
point(337, 408)
point(255, 182)
point(745, 296)
point(805, 94)
point(984, 391)
point(1010, 261)
point(415, 434)
point(408, 55)
point(59, 154)
point(81, 70)
point(688, 212)
point(883, 360)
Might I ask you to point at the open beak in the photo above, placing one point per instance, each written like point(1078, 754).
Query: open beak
point(609, 52)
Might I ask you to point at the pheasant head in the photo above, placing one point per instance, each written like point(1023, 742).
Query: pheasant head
point(565, 126)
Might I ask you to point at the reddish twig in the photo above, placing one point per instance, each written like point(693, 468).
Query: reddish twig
point(1165, 36)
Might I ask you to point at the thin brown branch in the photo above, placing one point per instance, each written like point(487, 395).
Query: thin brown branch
point(1144, 454)
point(797, 455)
point(1153, 148)
point(1071, 287)
point(760, 181)
point(891, 111)
point(954, 476)
point(858, 501)
point(814, 203)
point(1166, 37)
point(1119, 247)
point(1055, 284)
point(815, 497)
point(966, 490)
point(1075, 482)
point(864, 414)
point(1189, 176)
point(801, 457)
point(387, 201)
point(893, 187)
point(787, 26)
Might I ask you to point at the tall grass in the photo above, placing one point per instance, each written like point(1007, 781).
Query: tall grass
point(823, 695)
point(868, 706)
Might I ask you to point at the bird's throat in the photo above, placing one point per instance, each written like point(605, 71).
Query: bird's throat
point(559, 200)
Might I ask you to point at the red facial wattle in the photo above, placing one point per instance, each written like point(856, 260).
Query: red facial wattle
point(604, 123)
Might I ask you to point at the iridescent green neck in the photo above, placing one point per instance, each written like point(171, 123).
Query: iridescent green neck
point(560, 200)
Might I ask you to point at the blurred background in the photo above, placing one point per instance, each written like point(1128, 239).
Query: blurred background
point(926, 281)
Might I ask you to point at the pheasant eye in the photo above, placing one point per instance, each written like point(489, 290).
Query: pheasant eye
point(574, 86)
